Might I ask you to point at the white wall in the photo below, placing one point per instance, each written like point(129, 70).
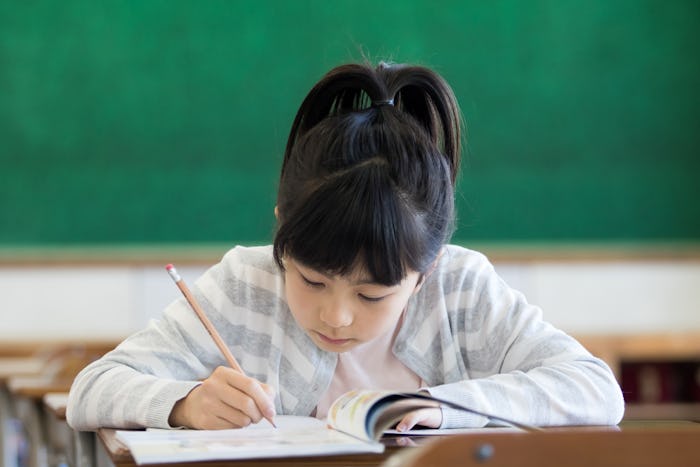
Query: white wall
point(580, 297)
point(616, 297)
point(82, 301)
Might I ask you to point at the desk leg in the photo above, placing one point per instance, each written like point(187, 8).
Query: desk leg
point(102, 457)
point(6, 431)
point(29, 413)
point(59, 439)
point(83, 449)
point(13, 442)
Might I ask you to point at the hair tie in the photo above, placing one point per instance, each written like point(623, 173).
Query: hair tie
point(383, 102)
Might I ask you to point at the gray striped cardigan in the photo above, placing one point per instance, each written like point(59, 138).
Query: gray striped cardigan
point(470, 337)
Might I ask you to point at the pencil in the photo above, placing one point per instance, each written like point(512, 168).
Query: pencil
point(207, 324)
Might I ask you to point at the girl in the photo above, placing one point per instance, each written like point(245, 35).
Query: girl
point(359, 289)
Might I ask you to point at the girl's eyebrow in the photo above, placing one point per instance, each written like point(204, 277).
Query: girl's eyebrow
point(354, 282)
point(368, 281)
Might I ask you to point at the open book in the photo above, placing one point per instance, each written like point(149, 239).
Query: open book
point(356, 421)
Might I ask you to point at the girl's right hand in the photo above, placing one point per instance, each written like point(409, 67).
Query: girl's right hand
point(226, 399)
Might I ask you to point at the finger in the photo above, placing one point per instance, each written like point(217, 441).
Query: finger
point(239, 393)
point(203, 408)
point(407, 422)
point(228, 411)
point(250, 396)
point(431, 418)
point(234, 419)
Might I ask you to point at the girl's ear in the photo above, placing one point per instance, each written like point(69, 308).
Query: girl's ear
point(277, 213)
point(421, 281)
point(423, 277)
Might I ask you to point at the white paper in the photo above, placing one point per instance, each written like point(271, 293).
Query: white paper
point(293, 437)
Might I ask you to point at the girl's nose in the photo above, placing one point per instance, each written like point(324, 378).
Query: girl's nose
point(336, 314)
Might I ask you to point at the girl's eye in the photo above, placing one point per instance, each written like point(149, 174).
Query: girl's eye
point(311, 283)
point(370, 299)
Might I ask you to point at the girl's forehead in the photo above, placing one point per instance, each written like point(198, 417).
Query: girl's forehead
point(358, 274)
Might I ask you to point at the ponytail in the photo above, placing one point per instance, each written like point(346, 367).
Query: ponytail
point(369, 171)
point(414, 90)
point(428, 98)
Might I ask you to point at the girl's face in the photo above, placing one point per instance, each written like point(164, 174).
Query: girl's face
point(341, 312)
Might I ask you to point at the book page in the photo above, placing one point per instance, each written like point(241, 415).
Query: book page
point(294, 436)
point(454, 431)
point(390, 410)
point(349, 412)
point(367, 413)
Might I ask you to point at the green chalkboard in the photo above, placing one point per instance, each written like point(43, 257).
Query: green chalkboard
point(156, 122)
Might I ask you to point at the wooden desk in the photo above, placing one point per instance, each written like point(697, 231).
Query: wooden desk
point(620, 349)
point(633, 445)
point(630, 444)
point(47, 348)
point(29, 370)
point(20, 366)
point(34, 388)
point(26, 397)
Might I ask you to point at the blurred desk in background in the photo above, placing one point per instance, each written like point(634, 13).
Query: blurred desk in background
point(27, 395)
point(33, 370)
point(659, 373)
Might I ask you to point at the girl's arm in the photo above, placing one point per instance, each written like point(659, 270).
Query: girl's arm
point(137, 384)
point(546, 381)
point(170, 365)
point(520, 367)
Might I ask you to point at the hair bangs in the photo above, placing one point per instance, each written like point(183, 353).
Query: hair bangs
point(354, 220)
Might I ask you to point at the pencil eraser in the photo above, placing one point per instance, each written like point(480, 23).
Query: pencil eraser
point(169, 267)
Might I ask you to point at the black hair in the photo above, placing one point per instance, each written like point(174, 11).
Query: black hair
point(369, 171)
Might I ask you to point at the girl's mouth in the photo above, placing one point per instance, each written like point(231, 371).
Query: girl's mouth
point(331, 341)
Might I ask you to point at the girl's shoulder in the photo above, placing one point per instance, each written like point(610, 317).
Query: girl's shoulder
point(456, 257)
point(247, 261)
point(259, 256)
point(461, 269)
